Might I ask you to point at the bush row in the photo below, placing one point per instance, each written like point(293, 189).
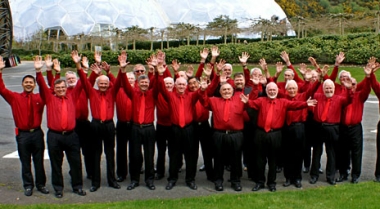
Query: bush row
point(357, 47)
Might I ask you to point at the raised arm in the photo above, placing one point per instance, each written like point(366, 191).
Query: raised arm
point(44, 89)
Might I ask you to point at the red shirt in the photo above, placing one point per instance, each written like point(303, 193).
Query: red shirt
point(280, 107)
point(163, 111)
point(199, 72)
point(217, 104)
point(54, 105)
point(357, 105)
point(19, 105)
point(135, 96)
point(337, 103)
point(173, 99)
point(123, 103)
point(95, 97)
point(375, 86)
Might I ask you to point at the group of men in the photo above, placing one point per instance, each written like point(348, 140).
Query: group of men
point(252, 115)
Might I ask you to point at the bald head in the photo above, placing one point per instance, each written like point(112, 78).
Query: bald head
point(103, 83)
point(328, 88)
point(226, 90)
point(272, 90)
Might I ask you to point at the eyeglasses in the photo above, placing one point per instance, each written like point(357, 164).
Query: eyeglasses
point(139, 71)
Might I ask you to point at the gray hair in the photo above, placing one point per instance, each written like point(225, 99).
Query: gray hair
point(59, 81)
point(169, 79)
point(328, 81)
point(131, 74)
point(291, 71)
point(141, 77)
point(344, 71)
point(289, 82)
point(256, 69)
point(70, 73)
point(138, 65)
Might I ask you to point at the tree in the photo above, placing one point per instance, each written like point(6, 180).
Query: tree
point(223, 25)
point(135, 33)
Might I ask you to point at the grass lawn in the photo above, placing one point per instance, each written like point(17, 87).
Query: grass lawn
point(346, 195)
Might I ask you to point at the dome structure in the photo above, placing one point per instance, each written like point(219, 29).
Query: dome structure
point(84, 16)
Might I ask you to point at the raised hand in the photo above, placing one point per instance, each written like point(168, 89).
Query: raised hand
point(122, 58)
point(220, 65)
point(223, 77)
point(255, 80)
point(85, 64)
point(189, 71)
point(207, 69)
point(204, 54)
point(176, 65)
point(215, 51)
point(74, 55)
point(38, 63)
point(152, 60)
point(243, 58)
point(203, 83)
point(98, 57)
point(347, 82)
point(313, 62)
point(311, 102)
point(96, 69)
point(263, 79)
point(160, 57)
point(285, 56)
point(302, 68)
point(339, 58)
point(57, 65)
point(307, 74)
point(279, 67)
point(243, 98)
point(324, 70)
point(106, 67)
point(263, 64)
point(48, 62)
point(2, 64)
point(368, 69)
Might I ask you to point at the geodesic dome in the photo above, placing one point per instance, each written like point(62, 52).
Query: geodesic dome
point(82, 16)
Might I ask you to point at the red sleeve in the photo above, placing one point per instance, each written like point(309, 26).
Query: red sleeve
point(334, 73)
point(50, 77)
point(167, 72)
point(213, 86)
point(375, 85)
point(366, 89)
point(85, 82)
point(199, 72)
point(161, 88)
point(247, 74)
point(296, 77)
point(92, 78)
point(6, 93)
point(126, 85)
point(44, 89)
point(112, 78)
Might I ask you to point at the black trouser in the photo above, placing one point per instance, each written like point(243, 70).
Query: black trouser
point(123, 133)
point(329, 134)
point(57, 144)
point(183, 142)
point(293, 141)
point(203, 134)
point(83, 130)
point(266, 148)
point(228, 146)
point(31, 144)
point(311, 133)
point(142, 136)
point(351, 149)
point(163, 134)
point(249, 132)
point(104, 133)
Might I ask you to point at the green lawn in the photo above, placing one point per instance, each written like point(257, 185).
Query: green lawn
point(347, 195)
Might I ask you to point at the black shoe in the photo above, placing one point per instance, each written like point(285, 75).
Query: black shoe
point(306, 169)
point(170, 185)
point(354, 180)
point(114, 185)
point(320, 171)
point(93, 188)
point(79, 192)
point(202, 168)
point(28, 192)
point(218, 186)
point(158, 177)
point(342, 178)
point(377, 179)
point(192, 185)
point(278, 170)
point(331, 182)
point(43, 190)
point(272, 188)
point(236, 186)
point(228, 168)
point(257, 187)
point(313, 180)
point(58, 194)
point(298, 184)
point(133, 185)
point(287, 183)
point(151, 186)
point(120, 179)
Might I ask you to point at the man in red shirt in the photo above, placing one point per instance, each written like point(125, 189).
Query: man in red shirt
point(102, 110)
point(272, 112)
point(328, 114)
point(27, 110)
point(61, 135)
point(143, 132)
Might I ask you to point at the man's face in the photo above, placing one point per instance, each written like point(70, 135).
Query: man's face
point(28, 85)
point(272, 91)
point(103, 84)
point(239, 82)
point(226, 91)
point(292, 90)
point(131, 80)
point(343, 76)
point(180, 85)
point(139, 70)
point(256, 73)
point(71, 80)
point(228, 71)
point(193, 84)
point(144, 84)
point(328, 90)
point(354, 84)
point(60, 89)
point(288, 75)
point(314, 76)
point(169, 85)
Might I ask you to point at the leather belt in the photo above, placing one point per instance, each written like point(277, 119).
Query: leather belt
point(271, 130)
point(102, 121)
point(30, 130)
point(63, 133)
point(296, 123)
point(143, 125)
point(329, 124)
point(228, 131)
